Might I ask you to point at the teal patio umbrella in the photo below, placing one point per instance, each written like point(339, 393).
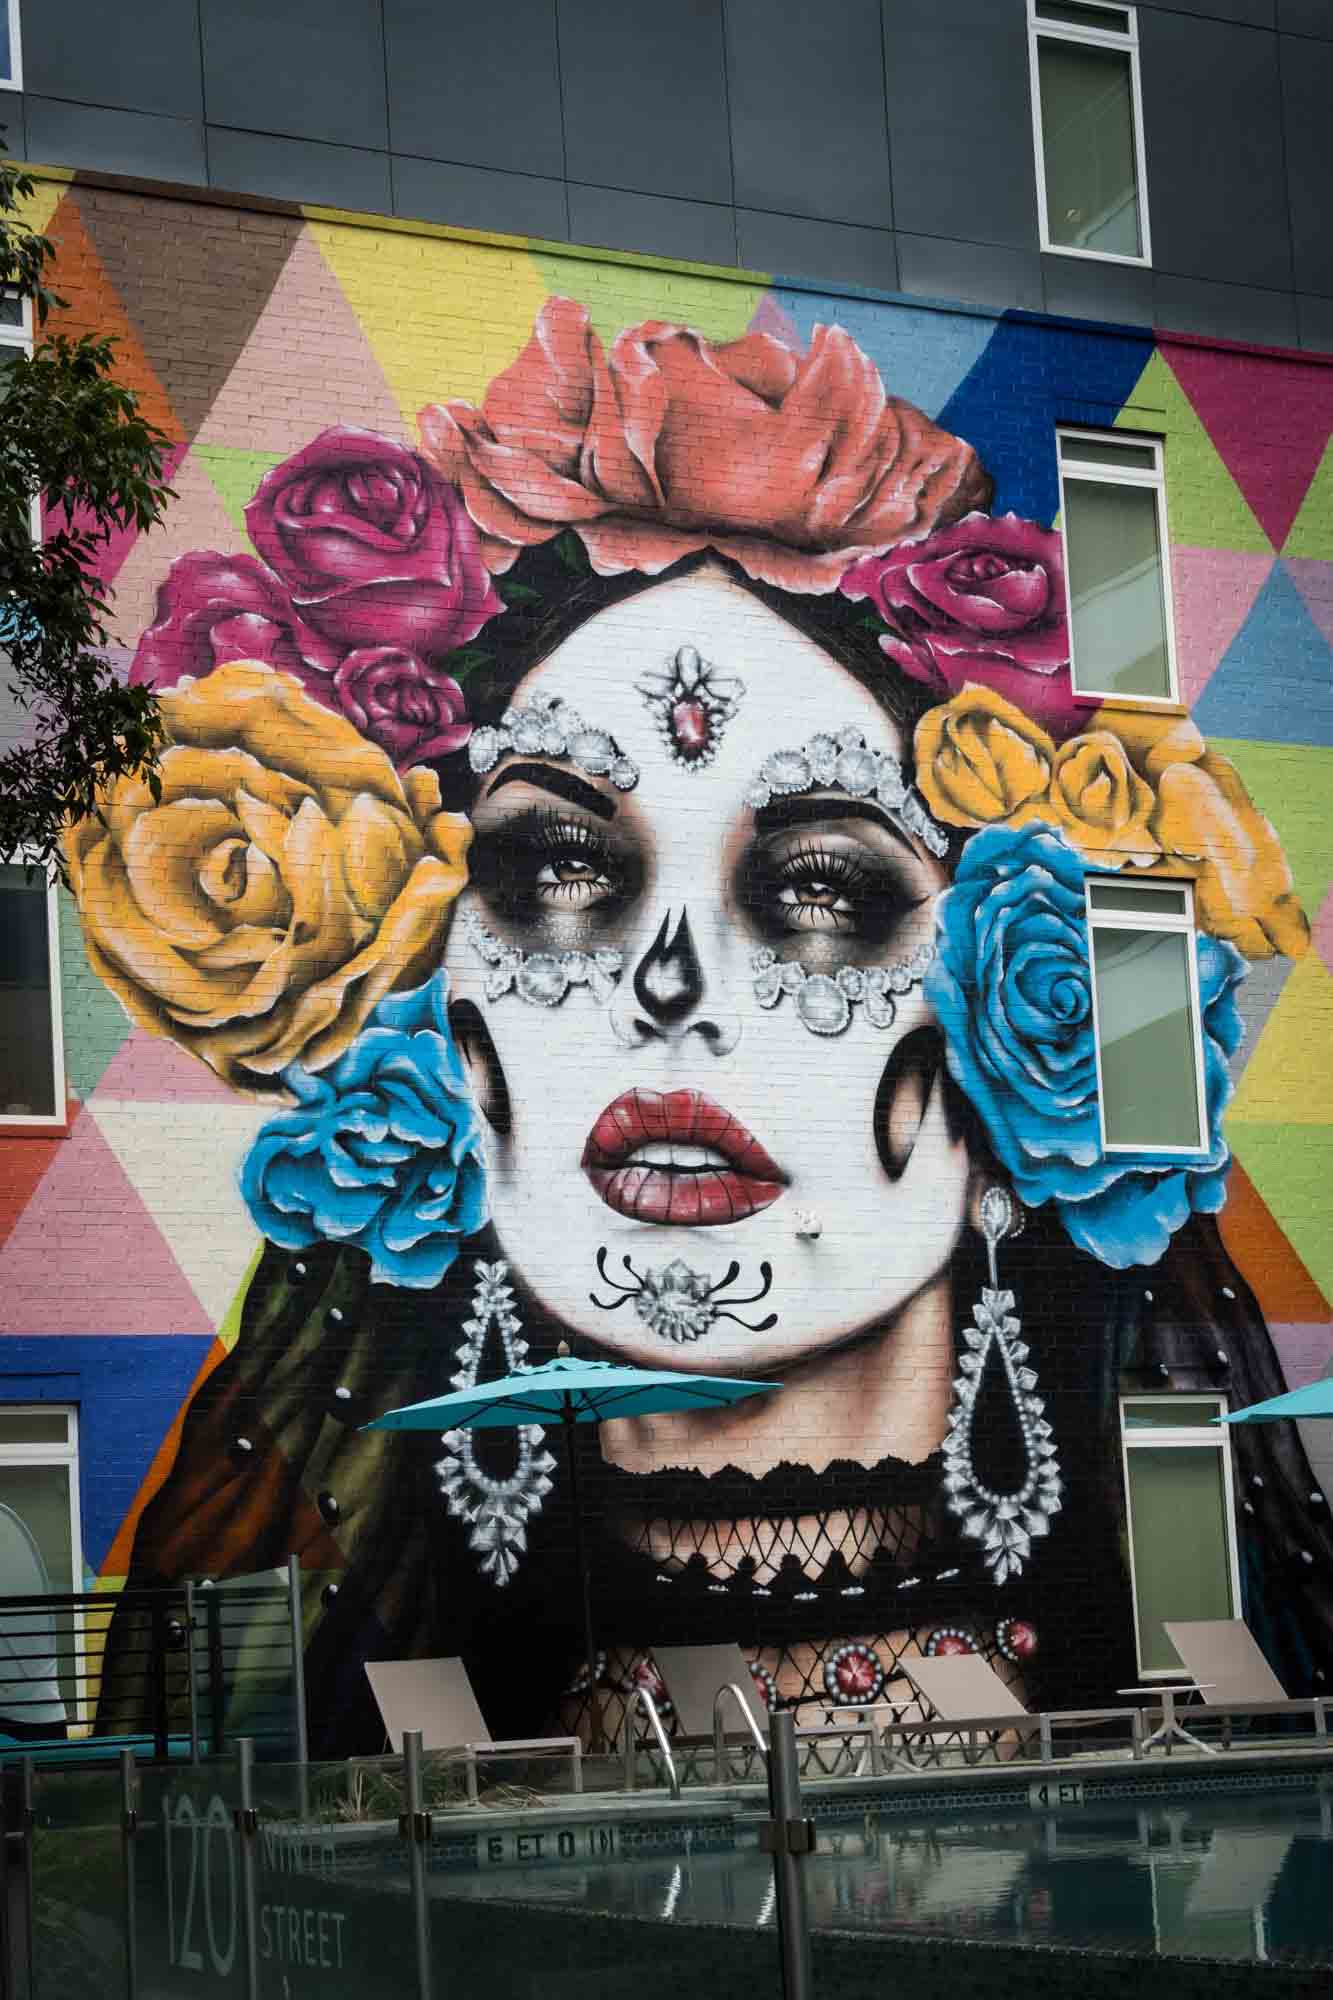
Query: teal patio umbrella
point(570, 1392)
point(1314, 1400)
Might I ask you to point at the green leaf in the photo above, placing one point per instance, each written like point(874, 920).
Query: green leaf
point(516, 593)
point(572, 552)
point(467, 660)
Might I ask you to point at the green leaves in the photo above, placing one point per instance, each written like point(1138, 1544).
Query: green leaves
point(72, 437)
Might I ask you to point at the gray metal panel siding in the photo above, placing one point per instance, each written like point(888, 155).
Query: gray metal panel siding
point(645, 97)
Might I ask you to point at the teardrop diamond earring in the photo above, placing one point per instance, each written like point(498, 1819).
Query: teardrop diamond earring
point(1003, 1523)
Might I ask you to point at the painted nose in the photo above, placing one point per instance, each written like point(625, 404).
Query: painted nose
point(669, 997)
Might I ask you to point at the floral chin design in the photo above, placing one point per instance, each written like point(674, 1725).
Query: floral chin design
point(692, 702)
point(542, 978)
point(824, 1002)
point(1012, 989)
point(548, 728)
point(845, 763)
point(383, 1150)
point(680, 1304)
point(496, 1512)
point(792, 465)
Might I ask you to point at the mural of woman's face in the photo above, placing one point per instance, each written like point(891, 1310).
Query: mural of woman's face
point(684, 1124)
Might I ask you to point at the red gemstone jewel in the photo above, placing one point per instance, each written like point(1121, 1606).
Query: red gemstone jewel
point(690, 728)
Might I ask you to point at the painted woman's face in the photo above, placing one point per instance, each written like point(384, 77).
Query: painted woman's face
point(682, 1125)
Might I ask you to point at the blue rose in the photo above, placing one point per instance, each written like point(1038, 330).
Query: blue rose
point(1012, 990)
point(383, 1149)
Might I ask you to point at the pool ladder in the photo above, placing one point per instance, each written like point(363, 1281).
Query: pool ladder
point(642, 1699)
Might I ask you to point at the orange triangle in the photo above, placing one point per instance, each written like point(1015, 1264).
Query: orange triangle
point(1264, 1256)
point(22, 1165)
point(116, 1561)
point(94, 306)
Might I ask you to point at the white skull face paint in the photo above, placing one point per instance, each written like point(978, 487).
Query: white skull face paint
point(682, 1121)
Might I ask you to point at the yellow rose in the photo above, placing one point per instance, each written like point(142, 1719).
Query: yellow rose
point(1210, 830)
point(1099, 800)
point(284, 882)
point(979, 759)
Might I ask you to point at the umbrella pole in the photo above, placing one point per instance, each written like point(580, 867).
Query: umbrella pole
point(596, 1742)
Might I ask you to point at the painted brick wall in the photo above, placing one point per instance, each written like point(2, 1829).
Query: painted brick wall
point(411, 573)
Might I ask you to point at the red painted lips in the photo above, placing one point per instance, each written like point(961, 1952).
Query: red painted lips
point(676, 1156)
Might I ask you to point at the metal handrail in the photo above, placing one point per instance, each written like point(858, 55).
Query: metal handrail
point(642, 1699)
point(730, 1688)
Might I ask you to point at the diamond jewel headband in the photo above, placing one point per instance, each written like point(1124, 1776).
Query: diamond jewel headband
point(542, 978)
point(844, 763)
point(547, 728)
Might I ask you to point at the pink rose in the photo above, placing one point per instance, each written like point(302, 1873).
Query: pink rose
point(214, 608)
point(375, 548)
point(399, 701)
point(981, 601)
point(791, 465)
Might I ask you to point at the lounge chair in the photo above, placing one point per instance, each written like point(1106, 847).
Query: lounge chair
point(693, 1677)
point(1223, 1659)
point(963, 1690)
point(435, 1696)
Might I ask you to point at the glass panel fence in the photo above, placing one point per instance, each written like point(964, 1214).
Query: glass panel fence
point(78, 1885)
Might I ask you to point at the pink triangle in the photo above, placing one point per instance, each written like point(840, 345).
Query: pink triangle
point(114, 551)
point(340, 381)
point(1314, 580)
point(86, 1257)
point(1269, 418)
point(151, 1070)
point(1306, 1353)
point(770, 317)
point(1214, 591)
point(196, 519)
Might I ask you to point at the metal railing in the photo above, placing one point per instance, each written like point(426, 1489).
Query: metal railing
point(641, 1698)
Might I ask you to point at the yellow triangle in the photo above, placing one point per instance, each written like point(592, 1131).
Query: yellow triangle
point(441, 316)
point(622, 293)
point(1205, 507)
point(42, 203)
point(1289, 1078)
point(1311, 532)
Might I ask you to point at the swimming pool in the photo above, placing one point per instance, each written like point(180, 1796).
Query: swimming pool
point(1238, 1876)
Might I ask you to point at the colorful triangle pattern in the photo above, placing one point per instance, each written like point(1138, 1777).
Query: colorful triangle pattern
point(1279, 666)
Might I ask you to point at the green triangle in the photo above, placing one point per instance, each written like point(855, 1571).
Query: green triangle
point(1311, 533)
point(1205, 507)
point(234, 474)
point(1286, 1163)
point(620, 293)
point(95, 1024)
point(1291, 783)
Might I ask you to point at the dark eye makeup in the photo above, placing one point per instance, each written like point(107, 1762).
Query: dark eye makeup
point(828, 888)
point(544, 863)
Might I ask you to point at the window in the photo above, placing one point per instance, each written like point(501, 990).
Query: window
point(1145, 1001)
point(40, 1551)
point(1087, 119)
point(1113, 513)
point(1182, 1541)
point(11, 64)
point(32, 1057)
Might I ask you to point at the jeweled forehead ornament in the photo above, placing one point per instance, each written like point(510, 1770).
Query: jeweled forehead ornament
point(843, 763)
point(547, 727)
point(691, 701)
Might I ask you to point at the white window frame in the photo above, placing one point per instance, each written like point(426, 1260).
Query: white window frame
point(1181, 922)
point(1201, 1437)
point(56, 1454)
point(1110, 37)
point(14, 81)
point(18, 1122)
point(1152, 477)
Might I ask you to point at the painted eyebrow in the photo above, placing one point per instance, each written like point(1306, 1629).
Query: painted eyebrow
point(563, 783)
point(779, 814)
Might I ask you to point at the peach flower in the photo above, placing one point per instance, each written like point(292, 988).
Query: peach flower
point(979, 760)
point(1211, 831)
point(283, 882)
point(793, 466)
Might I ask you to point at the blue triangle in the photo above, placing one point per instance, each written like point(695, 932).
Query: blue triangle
point(921, 355)
point(1275, 680)
point(1033, 374)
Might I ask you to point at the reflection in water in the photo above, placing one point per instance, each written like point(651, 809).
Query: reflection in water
point(1236, 1878)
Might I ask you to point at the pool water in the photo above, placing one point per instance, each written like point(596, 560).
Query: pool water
point(1240, 1876)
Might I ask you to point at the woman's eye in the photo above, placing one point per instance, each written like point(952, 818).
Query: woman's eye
point(572, 883)
point(816, 906)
